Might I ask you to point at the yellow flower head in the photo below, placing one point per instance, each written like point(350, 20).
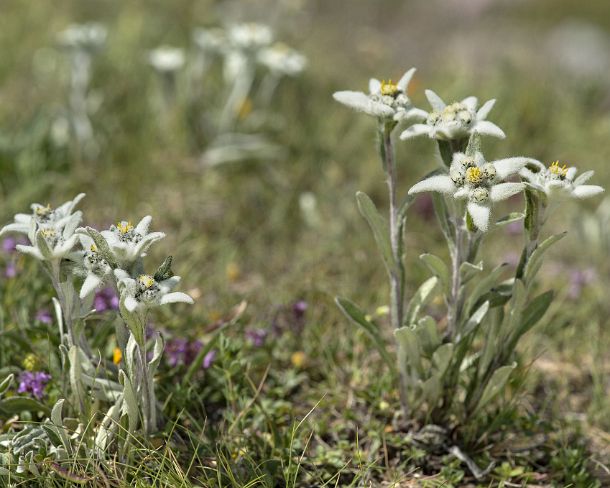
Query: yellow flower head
point(298, 359)
point(93, 248)
point(117, 355)
point(389, 88)
point(30, 362)
point(557, 170)
point(124, 227)
point(146, 281)
point(42, 211)
point(48, 233)
point(474, 175)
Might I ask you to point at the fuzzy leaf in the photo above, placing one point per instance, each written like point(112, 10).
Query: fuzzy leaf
point(473, 321)
point(6, 383)
point(496, 384)
point(102, 246)
point(352, 312)
point(438, 268)
point(165, 270)
point(482, 287)
point(469, 271)
point(442, 215)
point(130, 406)
point(510, 218)
point(422, 296)
point(380, 229)
point(442, 358)
point(535, 260)
point(410, 349)
point(15, 405)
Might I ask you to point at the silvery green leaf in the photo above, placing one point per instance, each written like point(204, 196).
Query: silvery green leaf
point(59, 317)
point(468, 271)
point(108, 427)
point(438, 268)
point(422, 296)
point(380, 229)
point(165, 270)
point(58, 424)
point(410, 349)
point(157, 355)
point(75, 375)
point(442, 215)
point(495, 385)
point(17, 404)
point(482, 287)
point(43, 246)
point(473, 321)
point(6, 383)
point(510, 218)
point(130, 406)
point(535, 261)
point(442, 357)
point(352, 312)
point(432, 389)
point(133, 321)
point(102, 246)
point(131, 357)
point(427, 332)
point(532, 313)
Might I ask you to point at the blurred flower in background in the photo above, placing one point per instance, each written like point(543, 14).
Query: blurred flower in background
point(33, 382)
point(106, 299)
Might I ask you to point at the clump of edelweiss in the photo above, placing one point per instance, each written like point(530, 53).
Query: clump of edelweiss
point(558, 181)
point(479, 182)
point(282, 60)
point(43, 215)
point(458, 120)
point(146, 291)
point(385, 100)
point(50, 231)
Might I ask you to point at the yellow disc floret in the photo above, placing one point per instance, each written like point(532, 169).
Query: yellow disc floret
point(146, 281)
point(474, 175)
point(557, 170)
point(117, 355)
point(124, 227)
point(389, 88)
point(48, 233)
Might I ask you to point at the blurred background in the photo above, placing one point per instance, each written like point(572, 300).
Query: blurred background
point(256, 193)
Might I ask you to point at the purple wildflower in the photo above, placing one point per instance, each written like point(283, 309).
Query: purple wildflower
point(209, 359)
point(9, 245)
point(257, 336)
point(33, 382)
point(424, 206)
point(44, 316)
point(11, 270)
point(192, 350)
point(175, 350)
point(106, 299)
point(299, 308)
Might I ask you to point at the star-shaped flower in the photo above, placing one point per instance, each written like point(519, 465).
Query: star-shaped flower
point(560, 181)
point(386, 100)
point(144, 291)
point(480, 182)
point(44, 215)
point(282, 60)
point(129, 243)
point(97, 268)
point(456, 121)
point(51, 242)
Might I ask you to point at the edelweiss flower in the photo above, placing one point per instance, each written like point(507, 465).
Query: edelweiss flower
point(128, 243)
point(385, 100)
point(209, 40)
point(51, 242)
point(478, 181)
point(87, 37)
point(166, 59)
point(282, 60)
point(98, 269)
point(456, 121)
point(249, 36)
point(43, 215)
point(145, 292)
point(559, 181)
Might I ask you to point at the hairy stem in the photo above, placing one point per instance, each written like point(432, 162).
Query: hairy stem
point(397, 271)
